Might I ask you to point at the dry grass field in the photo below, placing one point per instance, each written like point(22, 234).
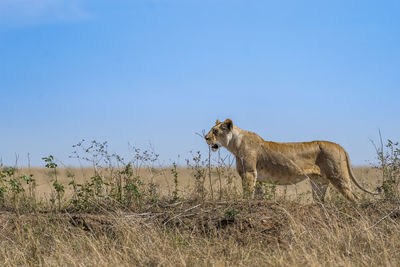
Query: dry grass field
point(163, 178)
point(242, 233)
point(138, 215)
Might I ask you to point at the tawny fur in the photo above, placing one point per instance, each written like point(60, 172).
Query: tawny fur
point(285, 163)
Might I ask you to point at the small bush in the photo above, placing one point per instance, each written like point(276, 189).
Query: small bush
point(388, 156)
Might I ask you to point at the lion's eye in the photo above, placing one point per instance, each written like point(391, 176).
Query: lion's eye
point(215, 131)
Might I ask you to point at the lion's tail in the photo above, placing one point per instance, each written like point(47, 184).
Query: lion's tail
point(377, 191)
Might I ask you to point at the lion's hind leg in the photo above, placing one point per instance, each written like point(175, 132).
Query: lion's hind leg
point(343, 185)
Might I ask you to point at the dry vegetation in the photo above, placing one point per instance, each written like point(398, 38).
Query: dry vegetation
point(135, 214)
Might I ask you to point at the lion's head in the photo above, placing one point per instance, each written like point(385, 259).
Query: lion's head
point(220, 134)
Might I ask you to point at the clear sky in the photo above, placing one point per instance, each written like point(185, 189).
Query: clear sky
point(158, 71)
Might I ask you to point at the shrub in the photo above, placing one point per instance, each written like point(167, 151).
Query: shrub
point(388, 156)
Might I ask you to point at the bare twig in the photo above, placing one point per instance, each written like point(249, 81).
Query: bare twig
point(383, 218)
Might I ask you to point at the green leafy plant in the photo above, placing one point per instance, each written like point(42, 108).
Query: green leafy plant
point(15, 188)
point(3, 186)
point(269, 190)
point(388, 156)
point(199, 170)
point(58, 187)
point(86, 196)
point(174, 172)
point(231, 214)
point(31, 184)
point(132, 186)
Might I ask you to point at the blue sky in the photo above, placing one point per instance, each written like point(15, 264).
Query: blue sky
point(158, 71)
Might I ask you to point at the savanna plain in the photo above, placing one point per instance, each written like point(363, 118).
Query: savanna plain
point(136, 212)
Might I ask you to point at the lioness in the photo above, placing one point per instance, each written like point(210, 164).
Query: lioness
point(285, 163)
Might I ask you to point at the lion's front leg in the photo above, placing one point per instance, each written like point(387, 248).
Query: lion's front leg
point(248, 173)
point(248, 183)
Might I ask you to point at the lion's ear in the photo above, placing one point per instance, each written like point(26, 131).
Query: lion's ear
point(228, 124)
point(217, 122)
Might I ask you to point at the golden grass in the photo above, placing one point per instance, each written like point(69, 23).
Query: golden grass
point(291, 231)
point(162, 177)
point(262, 233)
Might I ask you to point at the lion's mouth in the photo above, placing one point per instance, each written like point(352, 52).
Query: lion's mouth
point(215, 147)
